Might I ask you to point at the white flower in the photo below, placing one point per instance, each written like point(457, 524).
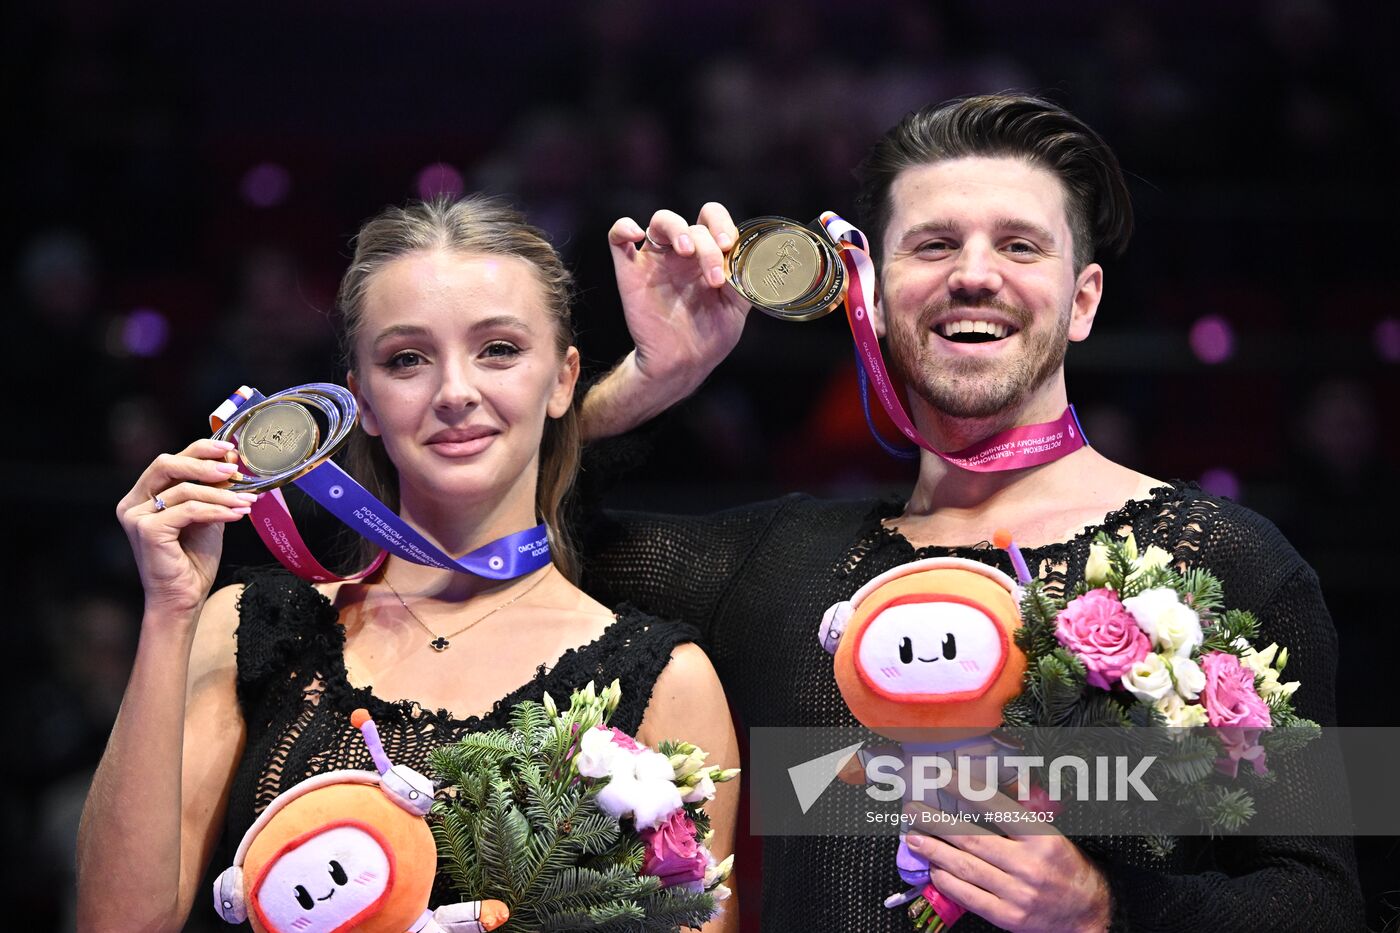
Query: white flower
point(1130, 546)
point(1151, 559)
point(704, 789)
point(687, 764)
point(1173, 627)
point(1097, 567)
point(648, 802)
point(718, 871)
point(1266, 665)
point(652, 766)
point(1267, 684)
point(1149, 679)
point(598, 755)
point(720, 893)
point(1259, 661)
point(1180, 713)
point(655, 802)
point(1190, 679)
point(612, 696)
point(642, 787)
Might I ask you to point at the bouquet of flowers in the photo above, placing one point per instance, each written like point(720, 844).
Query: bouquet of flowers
point(577, 826)
point(1141, 643)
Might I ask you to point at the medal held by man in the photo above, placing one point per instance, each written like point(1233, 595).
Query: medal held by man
point(786, 270)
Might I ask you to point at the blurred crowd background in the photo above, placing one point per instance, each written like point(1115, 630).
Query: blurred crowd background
point(183, 183)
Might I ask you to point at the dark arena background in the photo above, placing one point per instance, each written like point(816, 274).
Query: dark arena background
point(184, 179)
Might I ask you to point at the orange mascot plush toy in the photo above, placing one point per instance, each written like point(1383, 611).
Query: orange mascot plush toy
point(346, 851)
point(925, 646)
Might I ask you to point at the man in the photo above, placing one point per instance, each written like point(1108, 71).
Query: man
point(983, 214)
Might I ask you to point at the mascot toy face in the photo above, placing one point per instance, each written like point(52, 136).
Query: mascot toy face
point(343, 851)
point(928, 644)
point(330, 861)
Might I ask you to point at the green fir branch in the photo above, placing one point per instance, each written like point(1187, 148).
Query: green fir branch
point(1120, 565)
point(457, 856)
point(633, 856)
point(1098, 710)
point(1287, 738)
point(475, 755)
point(1037, 608)
point(1237, 623)
point(1150, 579)
point(680, 908)
point(1019, 712)
point(1230, 810)
point(1201, 590)
point(502, 833)
point(1058, 686)
point(528, 717)
point(1160, 846)
point(1146, 716)
point(1193, 760)
point(617, 915)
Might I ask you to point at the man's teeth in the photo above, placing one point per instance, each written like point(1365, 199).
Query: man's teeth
point(952, 328)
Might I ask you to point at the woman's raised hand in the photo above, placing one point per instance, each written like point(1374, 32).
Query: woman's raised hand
point(174, 518)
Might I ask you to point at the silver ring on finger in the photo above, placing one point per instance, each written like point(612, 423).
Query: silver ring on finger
point(658, 247)
point(159, 503)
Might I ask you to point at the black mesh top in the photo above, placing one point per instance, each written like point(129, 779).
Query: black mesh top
point(296, 698)
point(756, 580)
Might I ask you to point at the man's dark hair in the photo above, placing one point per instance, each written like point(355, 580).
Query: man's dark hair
point(1020, 126)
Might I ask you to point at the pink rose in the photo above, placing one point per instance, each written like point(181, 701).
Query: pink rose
point(673, 855)
point(1103, 635)
point(623, 740)
point(1229, 696)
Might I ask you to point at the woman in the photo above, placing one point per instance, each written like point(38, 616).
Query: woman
point(458, 343)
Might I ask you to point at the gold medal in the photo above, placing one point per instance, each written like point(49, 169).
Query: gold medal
point(278, 437)
point(279, 440)
point(785, 269)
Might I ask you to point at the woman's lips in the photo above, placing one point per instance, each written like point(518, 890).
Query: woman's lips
point(466, 443)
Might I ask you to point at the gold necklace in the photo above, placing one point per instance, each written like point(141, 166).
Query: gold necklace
point(440, 642)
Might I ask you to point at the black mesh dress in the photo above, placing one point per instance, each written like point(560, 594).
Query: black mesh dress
point(296, 699)
point(756, 580)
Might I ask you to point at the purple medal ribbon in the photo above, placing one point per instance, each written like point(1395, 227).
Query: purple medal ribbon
point(340, 494)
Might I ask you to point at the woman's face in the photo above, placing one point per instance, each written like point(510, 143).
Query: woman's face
point(456, 369)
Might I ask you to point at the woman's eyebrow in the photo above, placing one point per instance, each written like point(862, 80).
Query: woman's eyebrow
point(501, 320)
point(399, 330)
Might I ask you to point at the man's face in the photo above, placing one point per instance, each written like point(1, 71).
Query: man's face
point(979, 295)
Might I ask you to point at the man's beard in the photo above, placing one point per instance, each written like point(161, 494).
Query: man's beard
point(972, 387)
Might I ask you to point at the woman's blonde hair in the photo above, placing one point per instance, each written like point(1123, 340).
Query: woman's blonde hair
point(472, 224)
